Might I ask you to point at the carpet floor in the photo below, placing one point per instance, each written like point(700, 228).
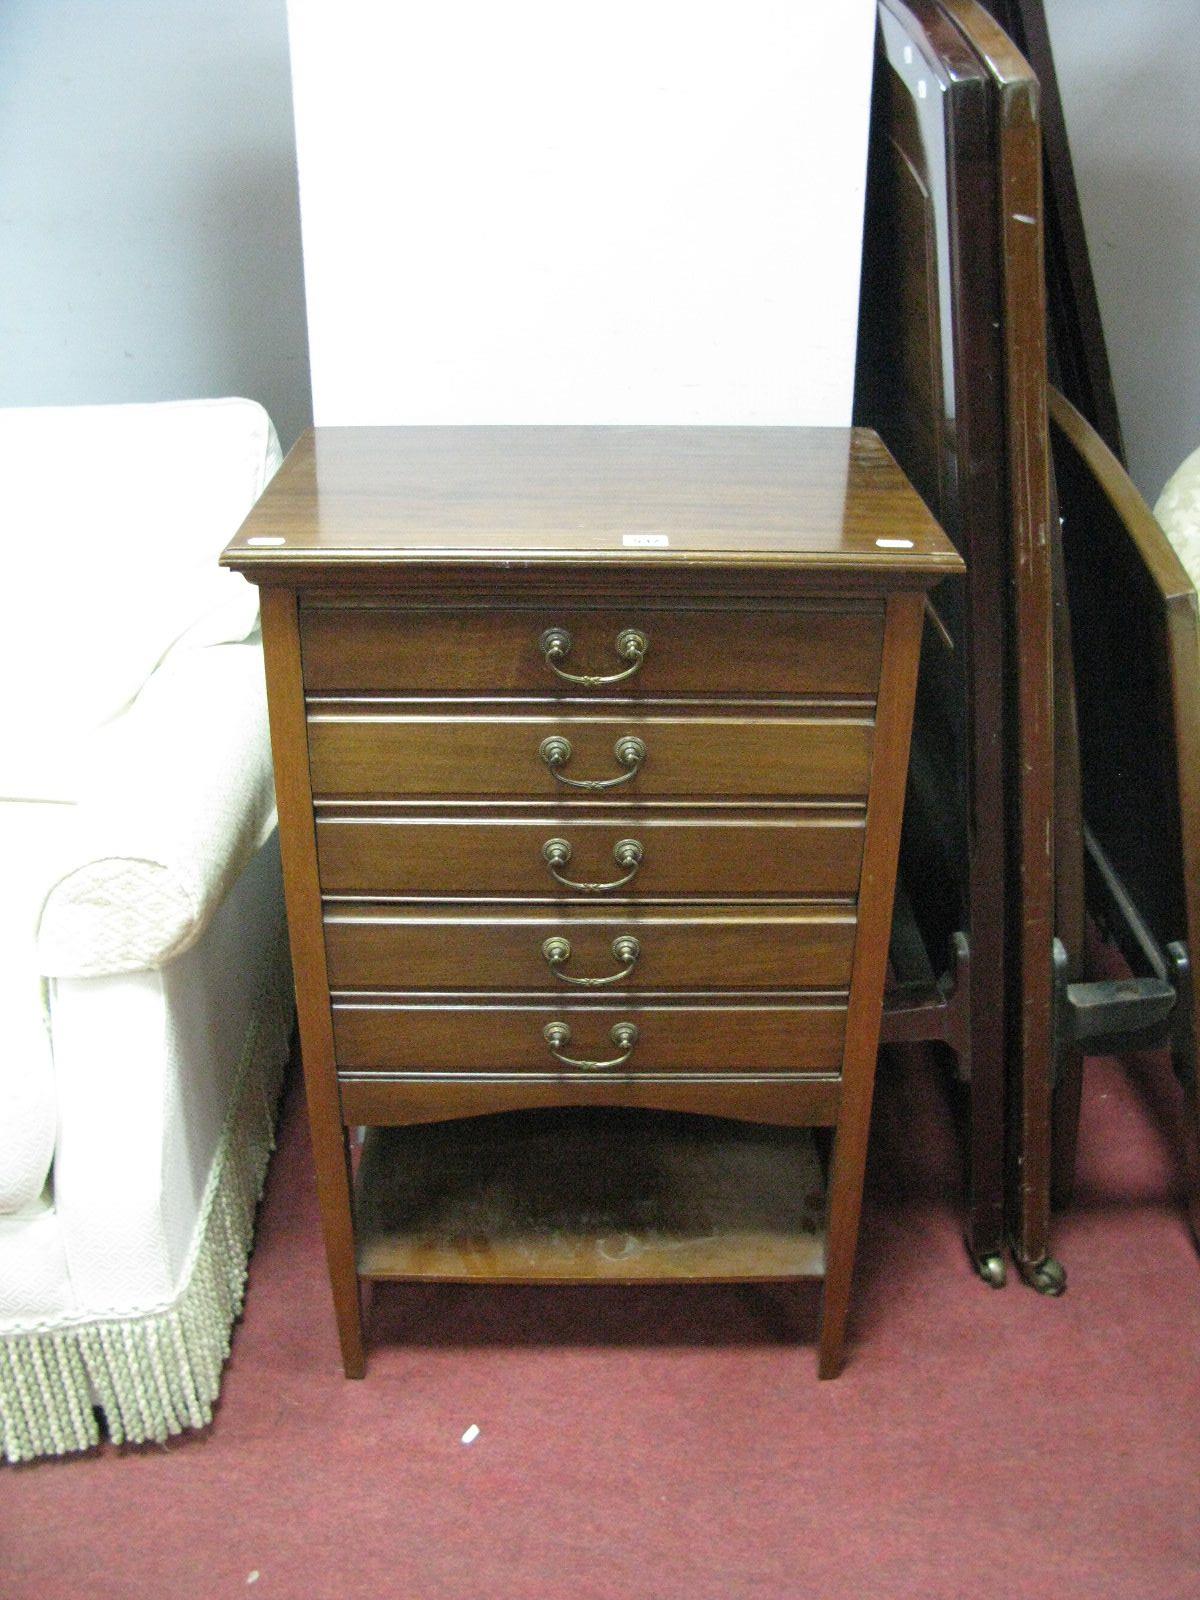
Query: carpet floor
point(674, 1442)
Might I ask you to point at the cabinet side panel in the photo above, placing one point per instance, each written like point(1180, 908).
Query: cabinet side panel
point(885, 808)
point(302, 895)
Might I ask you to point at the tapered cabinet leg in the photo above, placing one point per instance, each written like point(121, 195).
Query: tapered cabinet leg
point(335, 1198)
point(845, 1204)
point(338, 1227)
point(885, 802)
point(302, 894)
point(348, 1307)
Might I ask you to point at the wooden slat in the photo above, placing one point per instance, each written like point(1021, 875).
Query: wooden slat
point(790, 1101)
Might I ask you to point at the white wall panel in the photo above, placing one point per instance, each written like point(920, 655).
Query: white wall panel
point(643, 211)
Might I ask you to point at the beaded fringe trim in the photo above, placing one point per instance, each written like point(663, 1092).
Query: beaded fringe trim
point(155, 1374)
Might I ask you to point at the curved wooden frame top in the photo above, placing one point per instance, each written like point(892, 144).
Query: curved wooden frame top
point(1173, 635)
point(1147, 537)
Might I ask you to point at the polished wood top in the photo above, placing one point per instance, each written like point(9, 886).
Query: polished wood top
point(818, 499)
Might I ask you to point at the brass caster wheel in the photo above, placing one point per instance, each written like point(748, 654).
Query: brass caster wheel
point(1046, 1276)
point(991, 1269)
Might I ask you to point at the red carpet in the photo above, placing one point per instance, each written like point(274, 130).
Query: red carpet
point(674, 1442)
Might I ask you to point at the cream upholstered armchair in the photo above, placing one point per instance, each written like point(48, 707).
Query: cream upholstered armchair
point(145, 999)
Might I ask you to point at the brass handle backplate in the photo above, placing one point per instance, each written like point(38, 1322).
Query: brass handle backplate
point(625, 949)
point(631, 646)
point(623, 1034)
point(627, 853)
point(629, 750)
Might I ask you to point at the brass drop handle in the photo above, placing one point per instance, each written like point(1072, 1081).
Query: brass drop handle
point(623, 1034)
point(627, 853)
point(625, 948)
point(631, 646)
point(629, 750)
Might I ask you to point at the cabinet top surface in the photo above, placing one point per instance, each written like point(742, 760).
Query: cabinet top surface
point(826, 499)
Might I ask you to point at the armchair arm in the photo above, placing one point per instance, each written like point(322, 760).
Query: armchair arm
point(178, 796)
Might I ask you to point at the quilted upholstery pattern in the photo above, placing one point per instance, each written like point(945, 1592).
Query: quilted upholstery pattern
point(117, 916)
point(179, 797)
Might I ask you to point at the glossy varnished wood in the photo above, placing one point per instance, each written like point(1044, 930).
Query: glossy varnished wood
point(484, 853)
point(885, 810)
point(822, 650)
point(478, 1034)
point(366, 500)
point(1079, 355)
point(709, 947)
point(698, 755)
point(759, 796)
point(1070, 878)
point(931, 378)
point(285, 699)
point(1030, 757)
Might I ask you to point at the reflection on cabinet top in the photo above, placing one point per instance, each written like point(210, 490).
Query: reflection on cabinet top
point(818, 500)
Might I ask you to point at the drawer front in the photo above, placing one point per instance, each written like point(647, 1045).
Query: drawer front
point(810, 853)
point(400, 650)
point(377, 948)
point(501, 756)
point(510, 1037)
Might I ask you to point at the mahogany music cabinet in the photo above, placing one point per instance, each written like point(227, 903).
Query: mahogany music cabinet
point(590, 751)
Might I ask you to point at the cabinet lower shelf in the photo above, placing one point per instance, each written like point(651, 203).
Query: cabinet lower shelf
point(590, 1195)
